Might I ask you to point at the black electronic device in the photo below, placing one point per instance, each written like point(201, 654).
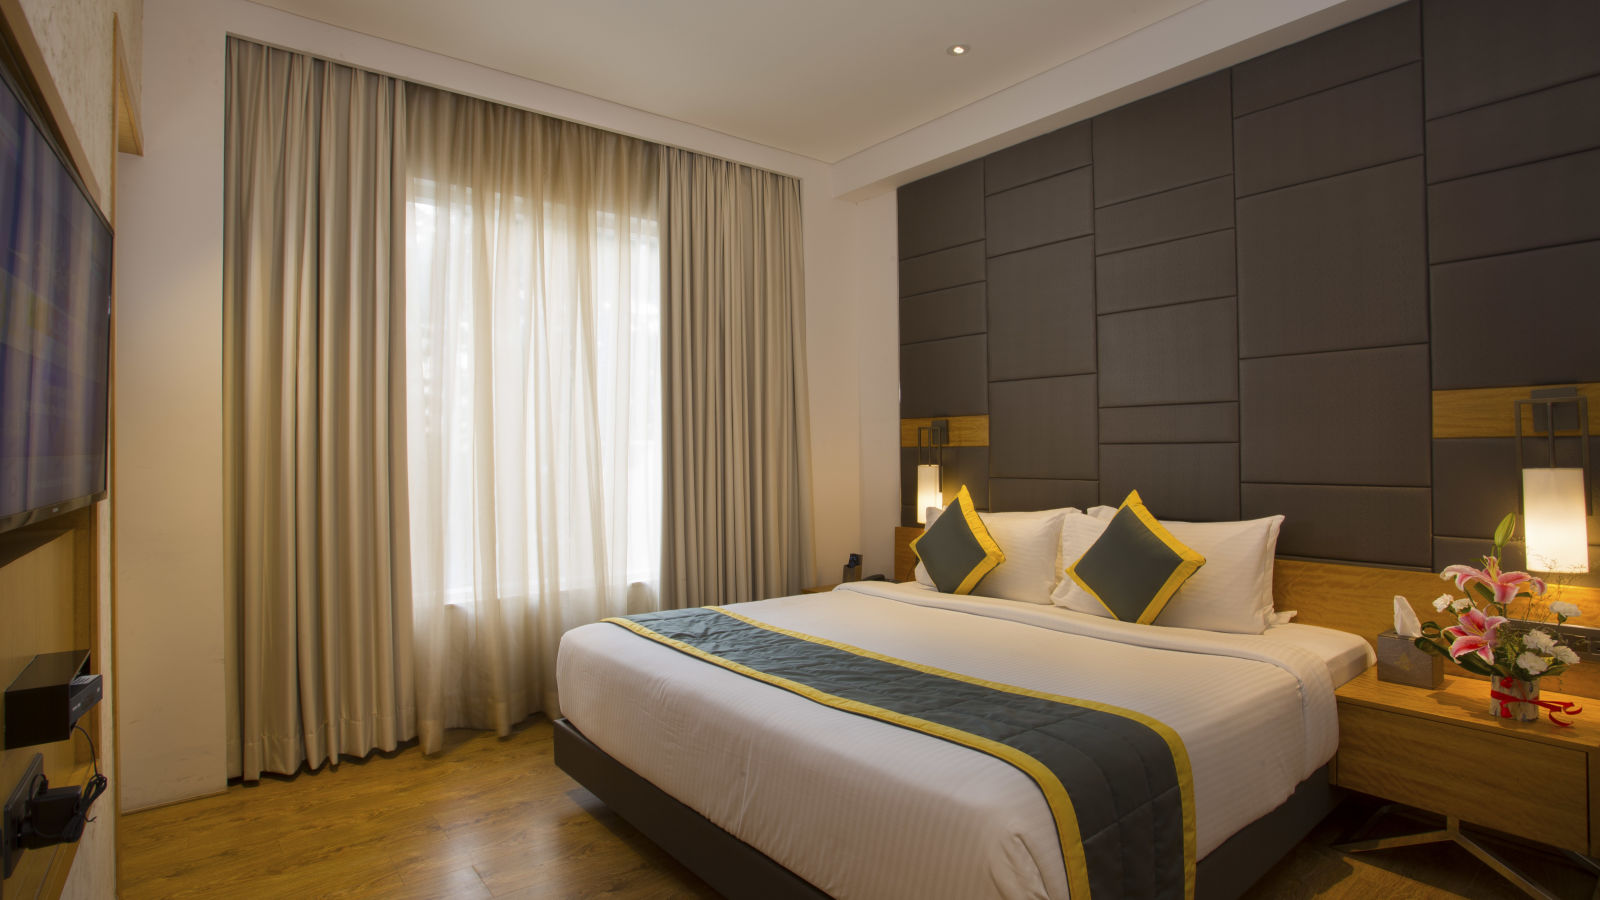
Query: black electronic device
point(55, 319)
point(49, 697)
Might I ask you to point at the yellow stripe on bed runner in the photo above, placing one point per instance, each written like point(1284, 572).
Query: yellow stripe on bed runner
point(1055, 794)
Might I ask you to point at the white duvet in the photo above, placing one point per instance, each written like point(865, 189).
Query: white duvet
point(864, 809)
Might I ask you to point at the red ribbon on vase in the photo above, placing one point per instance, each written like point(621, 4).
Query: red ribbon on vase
point(1564, 707)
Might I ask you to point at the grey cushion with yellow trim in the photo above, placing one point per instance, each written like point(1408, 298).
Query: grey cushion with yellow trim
point(1136, 565)
point(956, 549)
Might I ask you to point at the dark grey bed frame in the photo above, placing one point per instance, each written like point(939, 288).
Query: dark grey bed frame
point(738, 871)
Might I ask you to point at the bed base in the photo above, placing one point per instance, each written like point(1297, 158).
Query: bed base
point(737, 870)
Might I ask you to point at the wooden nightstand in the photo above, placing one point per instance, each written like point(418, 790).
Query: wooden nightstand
point(818, 589)
point(1431, 748)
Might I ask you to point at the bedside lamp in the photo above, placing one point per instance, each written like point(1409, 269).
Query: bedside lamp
point(1555, 521)
point(1555, 499)
point(929, 491)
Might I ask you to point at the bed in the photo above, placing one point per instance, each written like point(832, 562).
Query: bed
point(765, 793)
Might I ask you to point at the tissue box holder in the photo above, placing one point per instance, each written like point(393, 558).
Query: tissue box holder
point(1402, 662)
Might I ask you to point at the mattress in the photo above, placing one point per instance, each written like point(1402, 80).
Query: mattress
point(861, 808)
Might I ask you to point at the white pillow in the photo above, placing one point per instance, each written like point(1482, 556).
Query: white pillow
point(1232, 592)
point(1030, 541)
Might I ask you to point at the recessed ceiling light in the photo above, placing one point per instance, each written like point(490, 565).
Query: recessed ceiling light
point(957, 49)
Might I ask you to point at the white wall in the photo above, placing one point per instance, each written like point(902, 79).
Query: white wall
point(875, 321)
point(168, 575)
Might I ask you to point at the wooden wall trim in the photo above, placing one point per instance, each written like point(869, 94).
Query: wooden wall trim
point(130, 128)
point(965, 431)
point(1487, 412)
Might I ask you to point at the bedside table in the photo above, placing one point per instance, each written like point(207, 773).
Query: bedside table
point(818, 589)
point(1426, 748)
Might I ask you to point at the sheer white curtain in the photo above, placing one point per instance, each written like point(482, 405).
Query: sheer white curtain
point(533, 398)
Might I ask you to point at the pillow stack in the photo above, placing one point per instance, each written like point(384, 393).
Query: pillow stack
point(1134, 566)
point(1232, 592)
point(1116, 562)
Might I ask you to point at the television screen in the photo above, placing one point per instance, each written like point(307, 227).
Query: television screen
point(55, 321)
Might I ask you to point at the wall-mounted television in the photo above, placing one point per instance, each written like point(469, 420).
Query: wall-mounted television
point(55, 324)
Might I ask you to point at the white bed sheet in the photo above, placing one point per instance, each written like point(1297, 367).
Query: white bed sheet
point(861, 808)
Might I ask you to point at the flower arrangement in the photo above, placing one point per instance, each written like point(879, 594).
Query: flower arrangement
point(1478, 642)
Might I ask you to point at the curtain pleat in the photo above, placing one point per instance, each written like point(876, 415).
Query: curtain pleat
point(533, 296)
point(315, 496)
point(736, 452)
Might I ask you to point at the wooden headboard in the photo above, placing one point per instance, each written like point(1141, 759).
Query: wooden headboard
point(1358, 599)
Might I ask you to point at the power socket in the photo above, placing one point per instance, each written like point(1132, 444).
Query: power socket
point(16, 811)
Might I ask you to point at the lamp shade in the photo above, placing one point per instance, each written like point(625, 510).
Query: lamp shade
point(928, 492)
point(1554, 520)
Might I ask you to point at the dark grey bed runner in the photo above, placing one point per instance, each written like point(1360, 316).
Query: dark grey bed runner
point(1118, 783)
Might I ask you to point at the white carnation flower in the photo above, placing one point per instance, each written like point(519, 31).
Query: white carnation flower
point(1563, 608)
point(1566, 655)
point(1442, 602)
point(1532, 664)
point(1538, 640)
point(1460, 605)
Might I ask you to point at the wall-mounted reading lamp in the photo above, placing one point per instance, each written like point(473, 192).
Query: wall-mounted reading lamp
point(930, 458)
point(1555, 499)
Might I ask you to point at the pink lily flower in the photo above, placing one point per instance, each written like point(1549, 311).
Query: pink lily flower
point(1505, 585)
point(1475, 633)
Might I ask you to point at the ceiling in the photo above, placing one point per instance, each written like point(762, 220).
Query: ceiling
point(820, 78)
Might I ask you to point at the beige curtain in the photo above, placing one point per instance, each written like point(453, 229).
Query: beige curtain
point(315, 501)
point(533, 305)
point(737, 449)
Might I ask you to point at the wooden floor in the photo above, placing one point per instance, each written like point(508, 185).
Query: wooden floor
point(496, 818)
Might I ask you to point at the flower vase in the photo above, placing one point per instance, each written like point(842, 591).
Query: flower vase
point(1504, 696)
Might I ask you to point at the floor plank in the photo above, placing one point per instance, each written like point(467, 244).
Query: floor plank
point(494, 818)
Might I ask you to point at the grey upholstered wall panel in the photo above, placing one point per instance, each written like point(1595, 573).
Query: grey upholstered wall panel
point(1190, 482)
point(1040, 212)
point(1178, 137)
point(942, 269)
point(1468, 498)
point(1186, 211)
point(1041, 311)
point(1334, 264)
point(1553, 293)
point(1041, 493)
point(1190, 423)
point(1197, 268)
point(1480, 51)
point(1356, 523)
point(951, 312)
point(958, 467)
point(1049, 154)
point(944, 378)
point(1354, 126)
point(1315, 342)
point(1186, 353)
point(1365, 47)
point(1044, 428)
point(942, 210)
point(1353, 417)
point(1513, 132)
point(1552, 202)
